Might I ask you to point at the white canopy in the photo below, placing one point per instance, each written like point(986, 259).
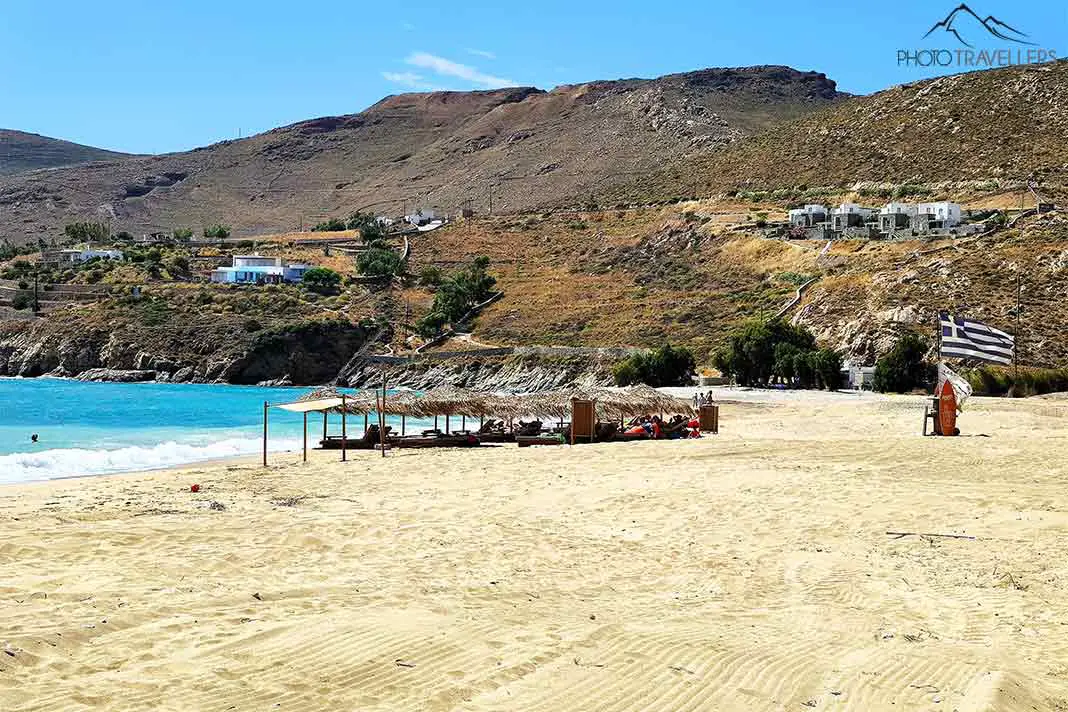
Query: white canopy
point(311, 406)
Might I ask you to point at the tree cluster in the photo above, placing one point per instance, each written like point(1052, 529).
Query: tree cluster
point(665, 366)
point(456, 295)
point(87, 232)
point(379, 262)
point(904, 367)
point(765, 352)
point(321, 280)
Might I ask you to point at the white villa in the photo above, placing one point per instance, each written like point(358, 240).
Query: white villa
point(257, 269)
point(941, 214)
point(851, 219)
point(808, 216)
point(895, 216)
point(849, 215)
point(78, 255)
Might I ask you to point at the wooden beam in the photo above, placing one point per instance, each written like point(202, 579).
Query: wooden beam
point(344, 430)
point(266, 405)
point(382, 416)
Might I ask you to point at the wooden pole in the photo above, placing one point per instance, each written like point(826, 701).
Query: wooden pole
point(305, 436)
point(402, 425)
point(324, 428)
point(382, 416)
point(344, 432)
point(1016, 336)
point(365, 423)
point(446, 423)
point(572, 422)
point(435, 422)
point(266, 405)
point(463, 423)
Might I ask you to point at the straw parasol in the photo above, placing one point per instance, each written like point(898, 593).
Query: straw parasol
point(611, 402)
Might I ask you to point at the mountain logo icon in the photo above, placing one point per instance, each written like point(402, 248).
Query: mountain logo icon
point(963, 22)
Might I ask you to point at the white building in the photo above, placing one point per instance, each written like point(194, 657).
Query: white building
point(78, 255)
point(895, 216)
point(257, 269)
point(858, 377)
point(849, 215)
point(940, 214)
point(420, 216)
point(808, 216)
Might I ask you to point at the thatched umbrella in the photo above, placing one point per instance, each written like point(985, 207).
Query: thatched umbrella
point(658, 401)
point(451, 400)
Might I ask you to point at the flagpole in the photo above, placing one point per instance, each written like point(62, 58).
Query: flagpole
point(1016, 346)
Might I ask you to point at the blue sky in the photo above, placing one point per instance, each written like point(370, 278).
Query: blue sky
point(154, 77)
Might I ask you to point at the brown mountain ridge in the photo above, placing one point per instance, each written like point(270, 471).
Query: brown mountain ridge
point(21, 151)
point(518, 148)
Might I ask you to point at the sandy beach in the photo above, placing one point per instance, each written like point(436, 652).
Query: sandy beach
point(746, 571)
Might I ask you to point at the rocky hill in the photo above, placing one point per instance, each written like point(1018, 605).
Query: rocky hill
point(998, 126)
point(688, 275)
point(515, 148)
point(21, 151)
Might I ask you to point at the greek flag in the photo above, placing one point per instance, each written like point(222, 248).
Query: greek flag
point(967, 338)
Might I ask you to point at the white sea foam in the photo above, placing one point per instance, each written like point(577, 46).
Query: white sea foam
point(76, 462)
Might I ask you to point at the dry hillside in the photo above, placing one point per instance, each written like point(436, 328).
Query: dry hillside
point(518, 147)
point(640, 277)
point(993, 126)
point(20, 151)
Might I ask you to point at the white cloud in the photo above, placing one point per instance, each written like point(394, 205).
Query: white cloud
point(481, 53)
point(408, 27)
point(408, 79)
point(448, 68)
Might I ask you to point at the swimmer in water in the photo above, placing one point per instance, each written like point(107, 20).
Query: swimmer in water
point(33, 438)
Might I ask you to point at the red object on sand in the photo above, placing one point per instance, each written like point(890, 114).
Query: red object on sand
point(947, 410)
point(194, 488)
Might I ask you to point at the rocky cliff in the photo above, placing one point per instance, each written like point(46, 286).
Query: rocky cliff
point(506, 373)
point(302, 353)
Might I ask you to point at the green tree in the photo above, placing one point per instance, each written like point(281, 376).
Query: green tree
point(372, 233)
point(904, 367)
point(87, 232)
point(178, 266)
point(183, 234)
point(457, 295)
point(430, 276)
point(321, 279)
point(827, 366)
point(379, 262)
point(217, 232)
point(331, 225)
point(784, 366)
point(665, 366)
point(21, 300)
point(749, 355)
point(359, 220)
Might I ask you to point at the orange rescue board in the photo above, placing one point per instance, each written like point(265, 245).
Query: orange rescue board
point(947, 410)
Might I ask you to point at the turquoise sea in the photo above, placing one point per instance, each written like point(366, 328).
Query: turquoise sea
point(97, 428)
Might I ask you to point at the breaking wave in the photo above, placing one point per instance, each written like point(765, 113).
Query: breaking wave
point(78, 462)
